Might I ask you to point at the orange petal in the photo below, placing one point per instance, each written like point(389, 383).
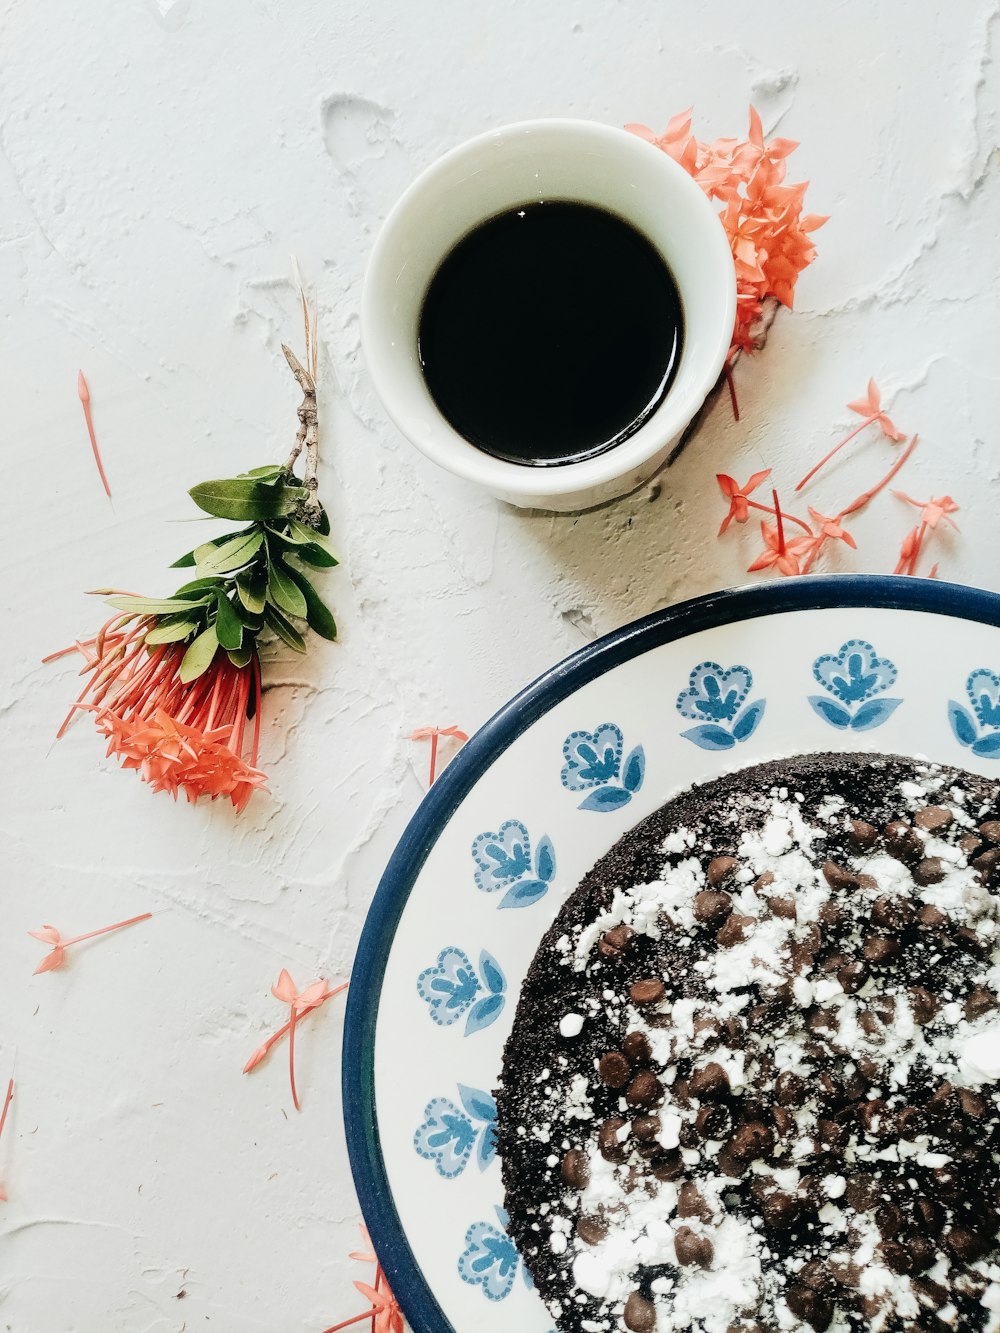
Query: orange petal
point(51, 961)
point(284, 990)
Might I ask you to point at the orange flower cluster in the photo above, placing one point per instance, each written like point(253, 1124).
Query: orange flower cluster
point(178, 736)
point(768, 233)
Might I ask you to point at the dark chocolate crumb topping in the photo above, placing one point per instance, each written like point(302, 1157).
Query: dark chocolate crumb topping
point(783, 1109)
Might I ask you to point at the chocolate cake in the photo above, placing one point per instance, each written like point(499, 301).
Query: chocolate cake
point(752, 1082)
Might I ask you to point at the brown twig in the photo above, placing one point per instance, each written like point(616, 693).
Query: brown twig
point(307, 436)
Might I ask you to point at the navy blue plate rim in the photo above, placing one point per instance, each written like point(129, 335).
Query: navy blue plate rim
point(824, 591)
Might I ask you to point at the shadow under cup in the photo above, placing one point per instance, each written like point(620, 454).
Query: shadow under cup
point(553, 160)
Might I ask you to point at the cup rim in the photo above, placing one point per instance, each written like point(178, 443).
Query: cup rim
point(444, 445)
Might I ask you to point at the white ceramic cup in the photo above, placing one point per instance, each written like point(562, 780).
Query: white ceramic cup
point(573, 160)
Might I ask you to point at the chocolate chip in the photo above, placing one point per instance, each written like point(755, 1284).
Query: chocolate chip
point(730, 1162)
point(922, 1253)
point(829, 913)
point(839, 877)
point(639, 1314)
point(901, 842)
point(735, 931)
point(933, 818)
point(611, 1147)
point(712, 1121)
point(575, 1169)
point(987, 865)
point(789, 1089)
point(783, 907)
point(863, 836)
point(889, 1219)
point(830, 1135)
point(707, 1028)
point(646, 1127)
point(645, 993)
point(930, 1293)
point(670, 1167)
point(614, 1069)
point(871, 1114)
point(692, 1250)
point(969, 845)
point(811, 1307)
point(908, 1123)
point(647, 1151)
point(891, 913)
point(965, 1244)
point(930, 1216)
point(973, 1105)
point(692, 1203)
point(752, 1140)
point(614, 943)
point(591, 1230)
point(763, 881)
point(709, 1083)
point(644, 1090)
point(929, 871)
point(923, 1004)
point(853, 976)
point(896, 1256)
point(991, 830)
point(861, 1192)
point(932, 917)
point(720, 870)
point(816, 1275)
point(784, 1121)
point(980, 1000)
point(636, 1048)
point(712, 906)
point(780, 1210)
point(969, 941)
point(880, 949)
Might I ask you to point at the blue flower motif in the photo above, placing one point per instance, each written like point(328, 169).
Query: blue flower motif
point(490, 1259)
point(450, 989)
point(854, 675)
point(448, 1134)
point(593, 759)
point(713, 694)
point(717, 695)
point(445, 1138)
point(503, 860)
point(983, 689)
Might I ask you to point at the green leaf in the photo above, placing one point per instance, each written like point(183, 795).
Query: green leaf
point(253, 620)
point(171, 631)
point(283, 591)
point(185, 562)
point(233, 553)
point(315, 555)
point(324, 522)
point(197, 586)
point(199, 655)
point(154, 606)
point(228, 625)
point(245, 498)
point(240, 657)
point(263, 473)
point(251, 588)
point(319, 617)
point(284, 630)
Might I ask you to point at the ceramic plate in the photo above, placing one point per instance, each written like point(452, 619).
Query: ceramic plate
point(544, 789)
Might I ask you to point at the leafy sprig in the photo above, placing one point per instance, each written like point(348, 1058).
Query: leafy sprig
point(258, 577)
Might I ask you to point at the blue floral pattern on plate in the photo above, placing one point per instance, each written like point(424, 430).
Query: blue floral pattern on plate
point(490, 1259)
point(854, 675)
point(979, 730)
point(448, 1134)
point(715, 698)
point(593, 762)
point(453, 987)
point(504, 861)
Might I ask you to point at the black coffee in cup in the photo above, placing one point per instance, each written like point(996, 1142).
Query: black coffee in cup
point(550, 333)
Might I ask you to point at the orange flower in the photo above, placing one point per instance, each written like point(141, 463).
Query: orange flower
point(933, 511)
point(739, 505)
point(384, 1311)
point(178, 736)
point(57, 955)
point(783, 555)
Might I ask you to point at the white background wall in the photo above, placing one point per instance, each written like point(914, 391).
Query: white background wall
point(159, 159)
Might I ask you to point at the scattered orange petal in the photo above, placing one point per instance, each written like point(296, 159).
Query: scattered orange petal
point(83, 389)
